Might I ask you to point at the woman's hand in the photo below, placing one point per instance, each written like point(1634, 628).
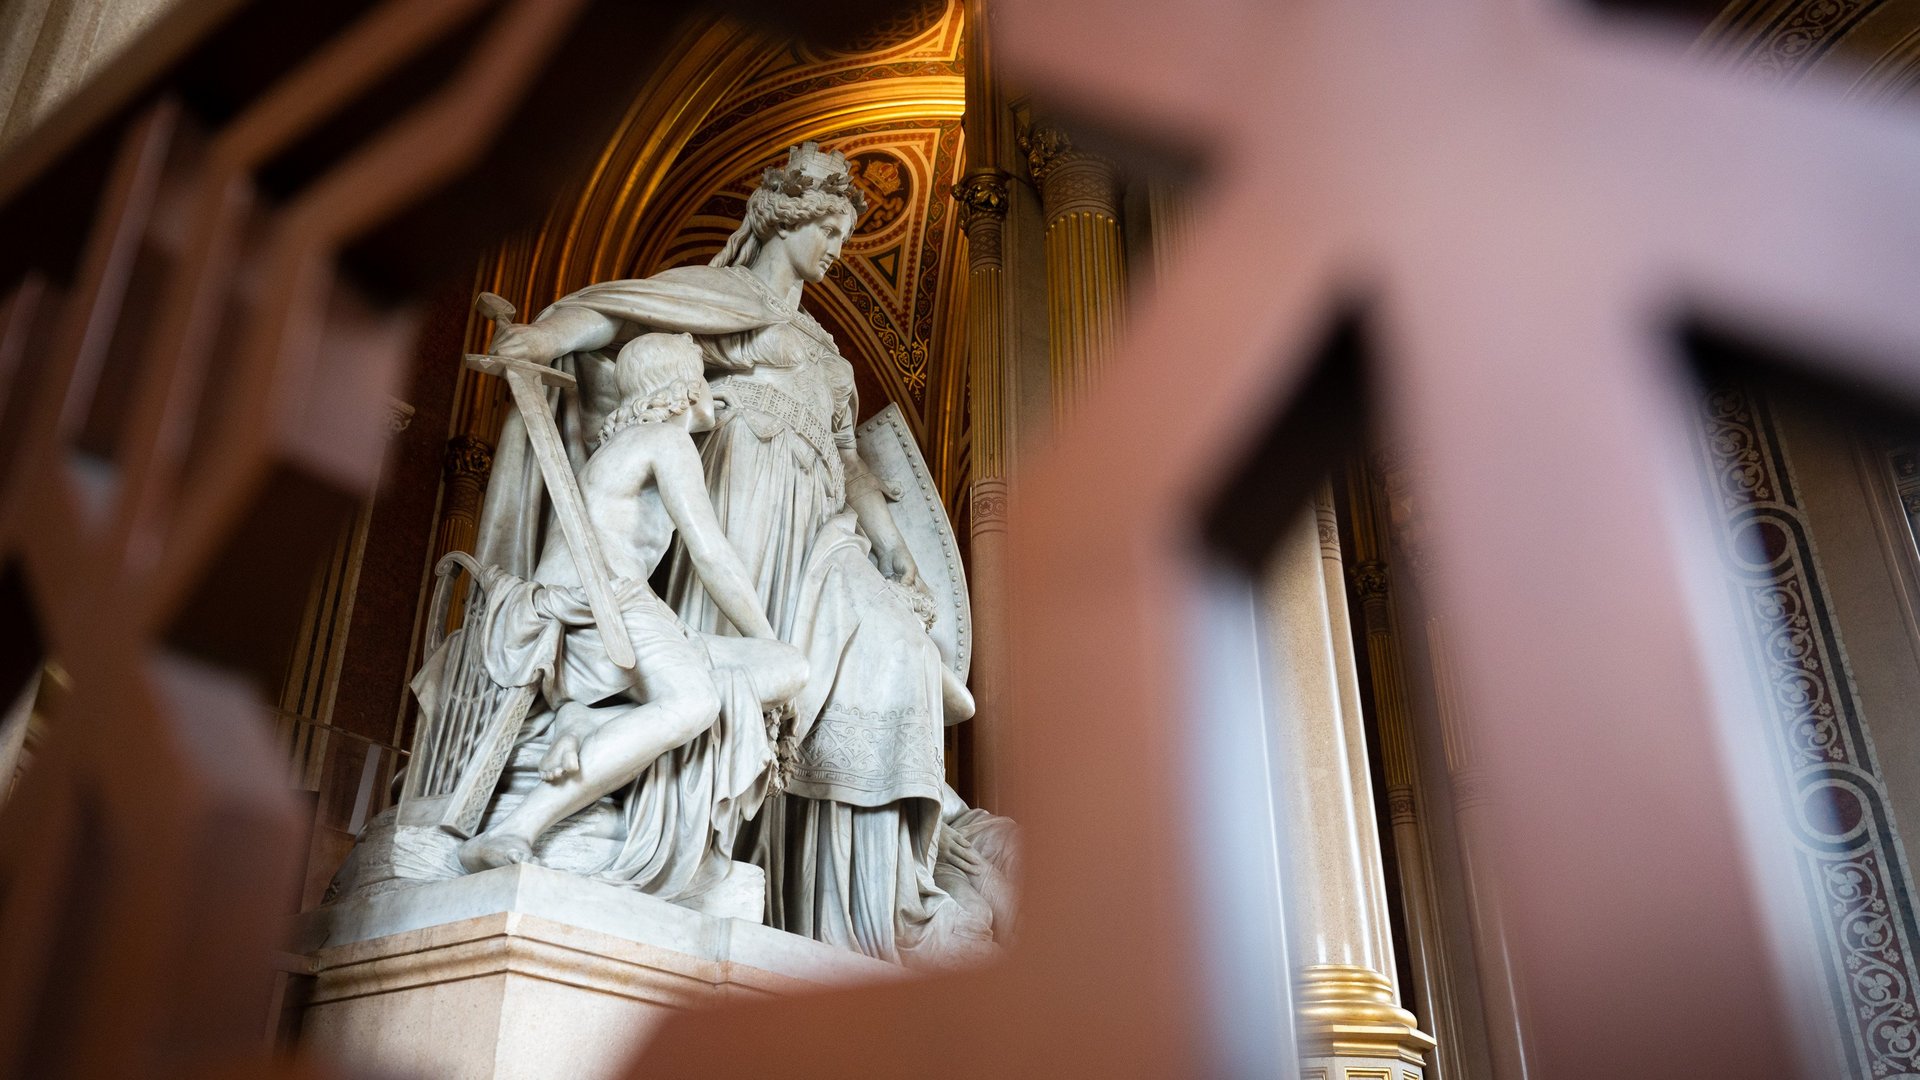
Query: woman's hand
point(896, 562)
point(531, 342)
point(957, 851)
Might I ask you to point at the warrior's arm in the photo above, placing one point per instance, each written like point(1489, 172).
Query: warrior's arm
point(867, 497)
point(683, 491)
point(564, 329)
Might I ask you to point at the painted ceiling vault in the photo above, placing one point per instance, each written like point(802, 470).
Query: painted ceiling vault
point(673, 182)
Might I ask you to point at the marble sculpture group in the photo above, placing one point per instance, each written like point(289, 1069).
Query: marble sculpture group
point(776, 712)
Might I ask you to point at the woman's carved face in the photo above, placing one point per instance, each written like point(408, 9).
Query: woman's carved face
point(812, 248)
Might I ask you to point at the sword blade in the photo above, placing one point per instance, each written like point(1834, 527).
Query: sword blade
point(531, 397)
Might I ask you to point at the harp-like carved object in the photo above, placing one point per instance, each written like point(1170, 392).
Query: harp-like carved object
point(468, 722)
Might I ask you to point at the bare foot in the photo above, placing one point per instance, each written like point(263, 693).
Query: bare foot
point(562, 758)
point(488, 850)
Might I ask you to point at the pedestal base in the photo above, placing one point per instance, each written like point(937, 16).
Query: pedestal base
point(525, 973)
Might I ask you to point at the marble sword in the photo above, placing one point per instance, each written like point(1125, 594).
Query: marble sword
point(529, 381)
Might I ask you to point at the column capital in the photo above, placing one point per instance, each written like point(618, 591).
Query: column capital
point(982, 193)
point(1046, 147)
point(469, 456)
point(1402, 805)
point(1403, 473)
point(1370, 579)
point(1372, 583)
point(1071, 180)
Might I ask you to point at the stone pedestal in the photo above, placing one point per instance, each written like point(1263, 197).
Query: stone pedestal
point(524, 973)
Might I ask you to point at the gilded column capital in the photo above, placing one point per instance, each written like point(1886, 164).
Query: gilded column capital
point(1071, 180)
point(468, 464)
point(1370, 583)
point(469, 457)
point(1045, 146)
point(982, 193)
point(1370, 579)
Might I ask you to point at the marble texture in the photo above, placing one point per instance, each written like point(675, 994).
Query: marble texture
point(1347, 1005)
point(525, 973)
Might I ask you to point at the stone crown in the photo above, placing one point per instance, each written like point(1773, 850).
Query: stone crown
point(810, 167)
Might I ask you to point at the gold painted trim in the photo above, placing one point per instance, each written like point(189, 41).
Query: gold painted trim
point(1348, 1011)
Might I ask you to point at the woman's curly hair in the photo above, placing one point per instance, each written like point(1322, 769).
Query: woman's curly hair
point(789, 198)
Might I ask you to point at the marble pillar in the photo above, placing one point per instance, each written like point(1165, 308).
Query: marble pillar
point(983, 199)
point(1340, 986)
point(1349, 1017)
point(1086, 259)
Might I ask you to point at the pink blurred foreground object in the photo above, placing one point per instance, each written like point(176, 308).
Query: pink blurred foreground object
point(1526, 205)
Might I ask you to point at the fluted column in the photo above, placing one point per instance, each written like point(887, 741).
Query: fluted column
point(1086, 259)
point(983, 200)
point(1432, 990)
point(1500, 996)
point(1350, 1019)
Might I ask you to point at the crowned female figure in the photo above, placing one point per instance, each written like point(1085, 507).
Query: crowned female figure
point(858, 851)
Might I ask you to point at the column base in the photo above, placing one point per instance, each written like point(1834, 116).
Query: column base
point(1351, 1027)
point(1343, 1067)
point(528, 973)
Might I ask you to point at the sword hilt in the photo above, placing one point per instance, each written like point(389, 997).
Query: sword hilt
point(502, 365)
point(494, 306)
